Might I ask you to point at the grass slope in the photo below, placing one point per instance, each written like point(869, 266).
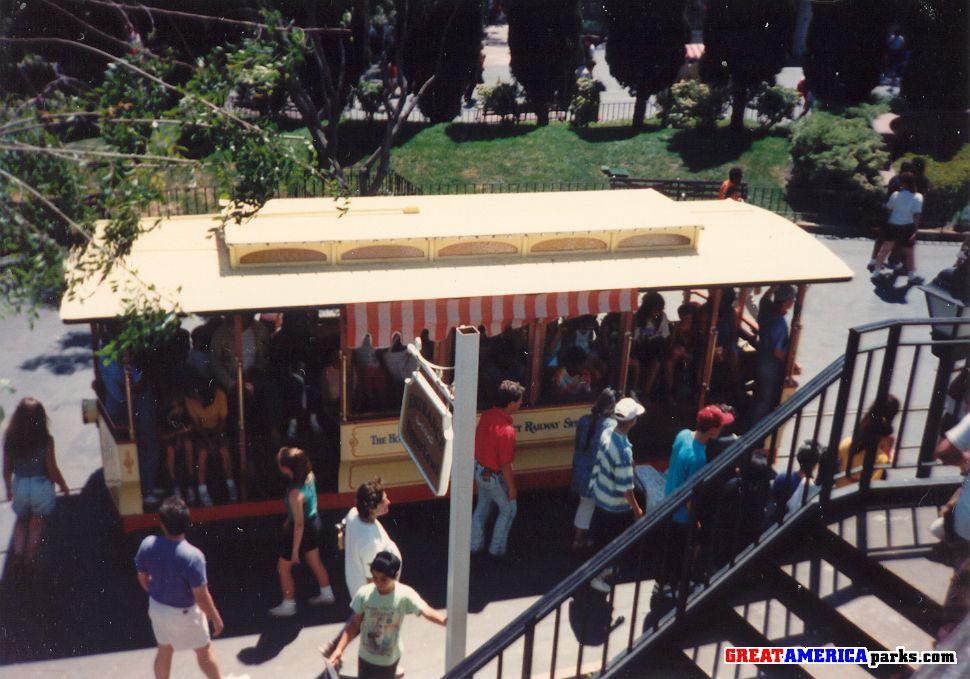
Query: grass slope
point(463, 153)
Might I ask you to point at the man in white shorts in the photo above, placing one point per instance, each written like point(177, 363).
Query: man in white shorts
point(180, 607)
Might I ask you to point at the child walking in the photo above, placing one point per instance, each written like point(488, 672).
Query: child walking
point(379, 609)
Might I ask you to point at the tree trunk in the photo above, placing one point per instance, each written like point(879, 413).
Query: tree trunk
point(639, 108)
point(542, 115)
point(739, 100)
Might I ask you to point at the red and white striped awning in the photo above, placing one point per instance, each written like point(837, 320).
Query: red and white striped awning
point(695, 50)
point(383, 319)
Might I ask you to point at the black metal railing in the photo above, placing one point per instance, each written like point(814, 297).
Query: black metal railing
point(663, 571)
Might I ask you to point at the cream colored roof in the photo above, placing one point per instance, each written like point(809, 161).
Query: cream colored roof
point(739, 244)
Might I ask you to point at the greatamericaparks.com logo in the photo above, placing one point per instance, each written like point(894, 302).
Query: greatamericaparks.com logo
point(837, 655)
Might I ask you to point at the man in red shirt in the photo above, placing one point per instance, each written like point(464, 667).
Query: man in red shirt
point(494, 453)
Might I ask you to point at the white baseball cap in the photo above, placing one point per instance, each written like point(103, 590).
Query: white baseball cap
point(628, 409)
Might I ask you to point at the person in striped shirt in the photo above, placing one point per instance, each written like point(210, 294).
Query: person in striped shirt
point(611, 482)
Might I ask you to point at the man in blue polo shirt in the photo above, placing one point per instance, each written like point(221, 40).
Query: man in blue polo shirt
point(180, 607)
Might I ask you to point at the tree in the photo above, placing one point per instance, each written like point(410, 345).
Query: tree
point(936, 76)
point(746, 43)
point(155, 117)
point(545, 51)
point(845, 48)
point(450, 53)
point(646, 47)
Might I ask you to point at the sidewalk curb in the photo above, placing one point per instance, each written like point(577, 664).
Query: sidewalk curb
point(942, 234)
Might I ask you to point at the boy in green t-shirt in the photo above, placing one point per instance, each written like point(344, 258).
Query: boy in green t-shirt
point(379, 609)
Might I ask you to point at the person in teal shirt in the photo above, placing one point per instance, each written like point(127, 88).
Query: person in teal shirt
point(689, 455)
point(301, 531)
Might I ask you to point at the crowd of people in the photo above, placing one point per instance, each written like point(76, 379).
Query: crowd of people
point(289, 378)
point(729, 515)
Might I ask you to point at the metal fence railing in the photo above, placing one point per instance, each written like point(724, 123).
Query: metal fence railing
point(206, 199)
point(662, 569)
point(611, 111)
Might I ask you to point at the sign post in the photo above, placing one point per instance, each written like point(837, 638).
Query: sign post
point(437, 428)
point(463, 469)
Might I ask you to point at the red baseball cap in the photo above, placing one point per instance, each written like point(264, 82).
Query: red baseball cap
point(712, 416)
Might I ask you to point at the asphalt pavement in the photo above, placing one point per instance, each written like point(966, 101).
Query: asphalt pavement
point(83, 613)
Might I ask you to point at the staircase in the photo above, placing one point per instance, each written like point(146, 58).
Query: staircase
point(854, 566)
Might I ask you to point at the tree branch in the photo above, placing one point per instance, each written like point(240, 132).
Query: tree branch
point(76, 154)
point(205, 17)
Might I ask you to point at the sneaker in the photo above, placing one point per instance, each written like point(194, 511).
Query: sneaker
point(871, 266)
point(324, 597)
point(914, 279)
point(204, 497)
point(899, 269)
point(286, 608)
point(233, 491)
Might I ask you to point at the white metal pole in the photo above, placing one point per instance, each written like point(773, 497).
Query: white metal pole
point(462, 473)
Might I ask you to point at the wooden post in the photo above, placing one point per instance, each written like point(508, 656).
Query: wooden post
point(129, 400)
point(237, 331)
point(626, 346)
point(345, 354)
point(795, 334)
point(537, 341)
point(711, 347)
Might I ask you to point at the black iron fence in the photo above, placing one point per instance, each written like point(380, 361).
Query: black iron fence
point(664, 566)
point(206, 199)
point(823, 207)
point(613, 111)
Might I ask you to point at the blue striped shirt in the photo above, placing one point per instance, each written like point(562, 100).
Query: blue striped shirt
point(613, 472)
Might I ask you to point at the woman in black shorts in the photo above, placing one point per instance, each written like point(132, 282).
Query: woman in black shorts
point(301, 531)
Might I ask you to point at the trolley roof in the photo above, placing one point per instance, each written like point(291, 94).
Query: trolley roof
point(307, 253)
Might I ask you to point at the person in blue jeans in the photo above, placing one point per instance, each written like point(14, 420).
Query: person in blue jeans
point(29, 474)
point(494, 454)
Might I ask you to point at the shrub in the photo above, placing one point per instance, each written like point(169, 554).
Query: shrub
point(585, 106)
point(774, 103)
point(502, 99)
point(835, 168)
point(369, 95)
point(949, 193)
point(690, 104)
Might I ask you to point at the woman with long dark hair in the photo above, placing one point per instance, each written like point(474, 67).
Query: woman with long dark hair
point(301, 531)
point(29, 474)
point(874, 431)
point(589, 429)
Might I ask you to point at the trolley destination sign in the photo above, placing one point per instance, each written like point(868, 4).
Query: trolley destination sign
point(425, 428)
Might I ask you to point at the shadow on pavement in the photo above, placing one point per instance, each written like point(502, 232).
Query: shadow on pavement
point(886, 290)
point(277, 636)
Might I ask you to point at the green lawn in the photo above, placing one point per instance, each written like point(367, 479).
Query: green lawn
point(466, 153)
